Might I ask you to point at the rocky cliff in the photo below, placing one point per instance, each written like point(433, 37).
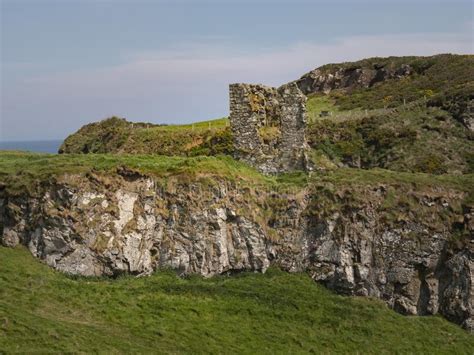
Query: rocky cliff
point(404, 241)
point(327, 79)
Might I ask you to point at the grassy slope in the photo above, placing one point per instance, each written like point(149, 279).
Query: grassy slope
point(21, 170)
point(115, 135)
point(433, 78)
point(414, 138)
point(423, 136)
point(277, 312)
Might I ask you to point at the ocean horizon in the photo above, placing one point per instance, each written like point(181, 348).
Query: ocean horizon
point(37, 146)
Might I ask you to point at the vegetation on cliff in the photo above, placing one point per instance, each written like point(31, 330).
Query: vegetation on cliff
point(116, 135)
point(47, 311)
point(398, 196)
point(435, 77)
point(415, 138)
point(23, 172)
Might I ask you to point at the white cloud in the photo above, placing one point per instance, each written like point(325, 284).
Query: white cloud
point(189, 83)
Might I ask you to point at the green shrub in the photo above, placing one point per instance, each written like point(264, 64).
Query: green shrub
point(432, 164)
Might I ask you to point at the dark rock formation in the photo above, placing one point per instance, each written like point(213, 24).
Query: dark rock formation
point(268, 126)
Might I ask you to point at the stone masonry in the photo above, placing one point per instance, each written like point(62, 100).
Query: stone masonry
point(268, 125)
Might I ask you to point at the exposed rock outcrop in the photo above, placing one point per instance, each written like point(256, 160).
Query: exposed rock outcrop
point(325, 80)
point(131, 223)
point(462, 109)
point(467, 117)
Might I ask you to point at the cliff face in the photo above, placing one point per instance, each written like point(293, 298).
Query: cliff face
point(383, 240)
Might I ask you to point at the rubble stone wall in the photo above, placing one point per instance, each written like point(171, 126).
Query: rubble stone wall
point(268, 125)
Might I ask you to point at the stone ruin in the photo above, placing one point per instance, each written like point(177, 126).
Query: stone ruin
point(268, 126)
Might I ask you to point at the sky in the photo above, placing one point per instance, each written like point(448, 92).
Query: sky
point(66, 63)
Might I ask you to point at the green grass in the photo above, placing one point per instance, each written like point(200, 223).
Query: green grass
point(415, 138)
point(115, 135)
point(201, 125)
point(433, 78)
point(361, 177)
point(44, 311)
point(20, 171)
point(317, 103)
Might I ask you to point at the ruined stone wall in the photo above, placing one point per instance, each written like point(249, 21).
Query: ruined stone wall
point(268, 126)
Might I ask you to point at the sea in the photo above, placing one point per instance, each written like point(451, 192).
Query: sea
point(49, 146)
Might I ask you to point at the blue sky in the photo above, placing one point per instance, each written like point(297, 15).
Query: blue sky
point(67, 63)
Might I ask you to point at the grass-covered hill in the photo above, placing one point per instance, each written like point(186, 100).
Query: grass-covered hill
point(437, 79)
point(413, 138)
point(116, 135)
point(44, 311)
point(419, 122)
point(414, 123)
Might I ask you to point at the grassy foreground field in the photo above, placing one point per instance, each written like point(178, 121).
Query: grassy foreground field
point(44, 311)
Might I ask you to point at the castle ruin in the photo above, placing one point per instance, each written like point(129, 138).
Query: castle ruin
point(268, 125)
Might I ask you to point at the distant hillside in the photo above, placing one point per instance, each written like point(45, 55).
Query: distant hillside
point(441, 80)
point(400, 113)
